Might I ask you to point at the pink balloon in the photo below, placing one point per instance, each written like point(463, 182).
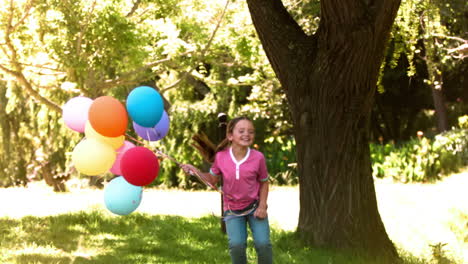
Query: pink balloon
point(120, 151)
point(75, 113)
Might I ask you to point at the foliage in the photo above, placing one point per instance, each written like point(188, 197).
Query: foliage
point(463, 122)
point(401, 100)
point(93, 43)
point(233, 77)
point(281, 160)
point(413, 161)
point(56, 50)
point(203, 56)
point(31, 141)
point(306, 13)
point(421, 160)
point(421, 55)
point(452, 148)
point(458, 227)
point(439, 255)
point(425, 28)
point(94, 237)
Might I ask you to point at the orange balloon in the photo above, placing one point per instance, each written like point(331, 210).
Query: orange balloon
point(108, 116)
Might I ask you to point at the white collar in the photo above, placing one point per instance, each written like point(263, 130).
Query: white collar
point(238, 163)
point(241, 161)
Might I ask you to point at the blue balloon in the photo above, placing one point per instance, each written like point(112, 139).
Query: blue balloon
point(145, 106)
point(121, 197)
point(153, 133)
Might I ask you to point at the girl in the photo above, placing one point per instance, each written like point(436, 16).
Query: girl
point(245, 188)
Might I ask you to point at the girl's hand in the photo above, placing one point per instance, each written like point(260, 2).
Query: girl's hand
point(261, 212)
point(188, 168)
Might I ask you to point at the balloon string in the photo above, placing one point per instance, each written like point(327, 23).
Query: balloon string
point(193, 173)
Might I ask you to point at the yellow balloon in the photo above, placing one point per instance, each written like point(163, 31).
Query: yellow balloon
point(93, 157)
point(115, 142)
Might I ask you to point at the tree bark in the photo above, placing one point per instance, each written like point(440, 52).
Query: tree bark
point(330, 81)
point(439, 100)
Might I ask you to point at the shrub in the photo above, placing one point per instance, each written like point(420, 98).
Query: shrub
point(281, 160)
point(411, 161)
point(463, 122)
point(452, 147)
point(423, 159)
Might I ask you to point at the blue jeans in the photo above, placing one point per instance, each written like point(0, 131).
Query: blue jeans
point(236, 229)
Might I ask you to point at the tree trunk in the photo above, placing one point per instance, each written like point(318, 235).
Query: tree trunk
point(338, 201)
point(330, 80)
point(48, 174)
point(439, 103)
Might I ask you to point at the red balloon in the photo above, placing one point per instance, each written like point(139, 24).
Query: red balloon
point(139, 166)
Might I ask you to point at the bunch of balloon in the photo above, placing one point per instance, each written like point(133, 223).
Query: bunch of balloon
point(104, 148)
point(104, 122)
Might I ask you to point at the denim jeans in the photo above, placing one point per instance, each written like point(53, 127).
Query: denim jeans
point(236, 229)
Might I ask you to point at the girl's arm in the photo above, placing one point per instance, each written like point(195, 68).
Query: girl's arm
point(261, 211)
point(205, 175)
point(213, 180)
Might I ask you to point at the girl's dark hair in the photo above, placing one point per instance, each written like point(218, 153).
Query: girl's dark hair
point(206, 147)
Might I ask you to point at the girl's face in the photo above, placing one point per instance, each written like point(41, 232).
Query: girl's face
point(243, 134)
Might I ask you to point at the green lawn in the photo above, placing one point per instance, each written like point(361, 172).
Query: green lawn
point(429, 221)
point(94, 237)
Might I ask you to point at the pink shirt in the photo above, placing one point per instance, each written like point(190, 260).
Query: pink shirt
point(241, 179)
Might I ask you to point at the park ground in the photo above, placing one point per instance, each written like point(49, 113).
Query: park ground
point(418, 217)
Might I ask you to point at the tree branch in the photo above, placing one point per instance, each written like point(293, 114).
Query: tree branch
point(171, 86)
point(200, 86)
point(18, 69)
point(28, 8)
point(83, 28)
point(134, 8)
point(450, 37)
point(8, 71)
point(279, 33)
point(382, 11)
point(29, 88)
point(42, 67)
point(203, 52)
point(215, 30)
point(124, 78)
point(461, 50)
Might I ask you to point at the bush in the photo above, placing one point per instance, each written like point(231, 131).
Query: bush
point(417, 160)
point(280, 155)
point(421, 160)
point(452, 148)
point(412, 161)
point(463, 122)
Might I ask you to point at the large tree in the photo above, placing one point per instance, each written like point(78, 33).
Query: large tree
point(330, 78)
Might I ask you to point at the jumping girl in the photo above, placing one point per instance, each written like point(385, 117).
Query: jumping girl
point(245, 188)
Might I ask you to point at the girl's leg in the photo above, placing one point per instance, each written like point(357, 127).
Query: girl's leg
point(236, 229)
point(261, 235)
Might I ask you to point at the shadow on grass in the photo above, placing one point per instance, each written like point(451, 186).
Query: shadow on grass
point(94, 237)
point(98, 238)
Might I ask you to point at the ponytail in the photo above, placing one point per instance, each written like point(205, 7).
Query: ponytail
point(224, 144)
point(204, 145)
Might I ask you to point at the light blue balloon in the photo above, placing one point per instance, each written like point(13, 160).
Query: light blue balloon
point(121, 197)
point(145, 106)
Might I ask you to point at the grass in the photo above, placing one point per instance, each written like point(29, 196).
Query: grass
point(94, 237)
point(427, 222)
